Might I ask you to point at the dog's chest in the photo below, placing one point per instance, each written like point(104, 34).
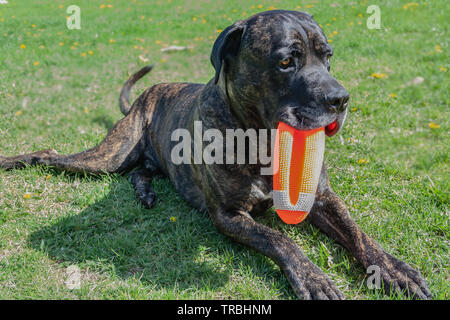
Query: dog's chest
point(260, 195)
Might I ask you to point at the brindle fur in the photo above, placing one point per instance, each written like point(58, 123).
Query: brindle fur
point(245, 93)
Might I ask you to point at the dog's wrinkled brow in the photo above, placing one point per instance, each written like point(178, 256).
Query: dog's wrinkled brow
point(320, 45)
point(298, 37)
point(308, 36)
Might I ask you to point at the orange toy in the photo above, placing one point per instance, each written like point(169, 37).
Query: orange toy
point(298, 158)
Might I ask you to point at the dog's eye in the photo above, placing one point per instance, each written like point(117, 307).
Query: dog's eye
point(285, 63)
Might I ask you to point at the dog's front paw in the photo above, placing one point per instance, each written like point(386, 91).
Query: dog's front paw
point(400, 277)
point(311, 283)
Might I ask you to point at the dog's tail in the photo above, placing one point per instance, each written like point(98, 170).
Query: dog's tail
point(124, 98)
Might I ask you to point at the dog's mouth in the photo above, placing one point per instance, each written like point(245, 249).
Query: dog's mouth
point(332, 128)
point(332, 123)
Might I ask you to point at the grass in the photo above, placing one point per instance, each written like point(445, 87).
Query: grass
point(59, 89)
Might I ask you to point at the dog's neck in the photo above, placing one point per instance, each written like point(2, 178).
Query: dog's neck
point(244, 116)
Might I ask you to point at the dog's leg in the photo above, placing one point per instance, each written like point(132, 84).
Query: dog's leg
point(141, 180)
point(330, 214)
point(307, 280)
point(119, 151)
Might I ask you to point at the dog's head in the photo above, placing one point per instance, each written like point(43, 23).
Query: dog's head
point(275, 66)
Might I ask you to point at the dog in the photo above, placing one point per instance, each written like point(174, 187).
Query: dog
point(271, 67)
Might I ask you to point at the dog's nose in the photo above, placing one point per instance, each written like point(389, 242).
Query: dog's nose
point(338, 101)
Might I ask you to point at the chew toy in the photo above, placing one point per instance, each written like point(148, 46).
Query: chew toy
point(298, 158)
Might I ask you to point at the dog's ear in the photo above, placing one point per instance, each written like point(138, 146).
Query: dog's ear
point(227, 44)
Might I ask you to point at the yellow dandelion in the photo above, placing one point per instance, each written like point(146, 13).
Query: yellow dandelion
point(438, 48)
point(378, 75)
point(330, 41)
point(234, 10)
point(158, 42)
point(219, 30)
point(102, 6)
point(36, 63)
point(309, 6)
point(271, 8)
point(173, 219)
point(48, 177)
point(27, 195)
point(109, 5)
point(298, 7)
point(354, 109)
point(61, 44)
point(194, 18)
point(23, 46)
point(335, 32)
point(259, 6)
point(90, 52)
point(443, 69)
point(86, 110)
point(112, 40)
point(83, 54)
point(33, 26)
point(19, 113)
point(163, 60)
point(410, 5)
point(363, 161)
point(351, 23)
point(360, 15)
point(433, 125)
point(393, 95)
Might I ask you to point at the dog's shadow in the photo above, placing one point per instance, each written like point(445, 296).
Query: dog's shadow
point(170, 246)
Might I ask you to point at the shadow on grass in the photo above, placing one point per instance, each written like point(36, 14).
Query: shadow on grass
point(105, 121)
point(119, 237)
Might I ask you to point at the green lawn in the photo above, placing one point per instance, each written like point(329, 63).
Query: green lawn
point(59, 89)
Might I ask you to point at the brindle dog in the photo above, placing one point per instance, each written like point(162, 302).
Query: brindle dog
point(271, 67)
